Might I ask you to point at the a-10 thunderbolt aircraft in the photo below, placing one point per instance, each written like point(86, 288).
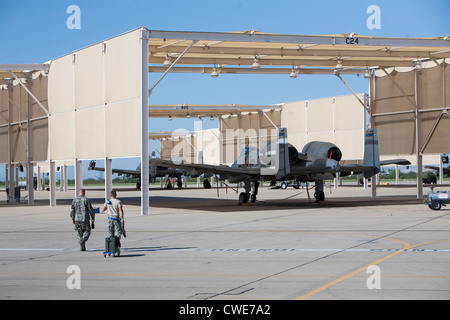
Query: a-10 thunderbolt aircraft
point(280, 161)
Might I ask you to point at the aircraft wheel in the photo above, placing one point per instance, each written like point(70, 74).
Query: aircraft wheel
point(435, 205)
point(253, 198)
point(319, 195)
point(283, 185)
point(243, 198)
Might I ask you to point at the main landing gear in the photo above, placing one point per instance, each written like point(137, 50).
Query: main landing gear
point(251, 191)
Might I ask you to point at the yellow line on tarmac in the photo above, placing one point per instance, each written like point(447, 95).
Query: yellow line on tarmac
point(332, 283)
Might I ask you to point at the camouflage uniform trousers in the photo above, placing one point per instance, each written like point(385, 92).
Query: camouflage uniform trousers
point(83, 230)
point(115, 228)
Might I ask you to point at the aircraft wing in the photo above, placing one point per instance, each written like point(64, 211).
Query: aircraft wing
point(222, 170)
point(359, 168)
point(400, 162)
point(120, 171)
point(355, 169)
point(134, 173)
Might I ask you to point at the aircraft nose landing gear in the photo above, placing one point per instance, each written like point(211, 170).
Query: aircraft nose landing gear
point(319, 194)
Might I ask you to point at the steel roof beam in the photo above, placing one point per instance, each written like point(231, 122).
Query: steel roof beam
point(300, 39)
point(286, 71)
point(331, 61)
point(300, 52)
point(24, 67)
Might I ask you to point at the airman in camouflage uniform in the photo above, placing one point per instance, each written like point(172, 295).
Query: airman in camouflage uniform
point(116, 219)
point(81, 214)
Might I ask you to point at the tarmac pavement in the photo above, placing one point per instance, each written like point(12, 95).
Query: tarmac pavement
point(199, 244)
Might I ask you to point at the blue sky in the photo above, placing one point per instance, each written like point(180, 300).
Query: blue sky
point(35, 31)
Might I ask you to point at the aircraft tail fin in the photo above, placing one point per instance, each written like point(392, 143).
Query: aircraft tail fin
point(371, 153)
point(283, 155)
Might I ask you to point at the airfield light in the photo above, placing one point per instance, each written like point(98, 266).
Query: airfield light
point(215, 73)
point(167, 62)
point(367, 74)
point(256, 64)
point(293, 73)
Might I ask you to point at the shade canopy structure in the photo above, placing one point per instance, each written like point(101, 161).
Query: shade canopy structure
point(196, 110)
point(11, 71)
point(255, 52)
point(23, 120)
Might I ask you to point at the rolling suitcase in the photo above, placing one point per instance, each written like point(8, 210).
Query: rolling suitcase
point(112, 247)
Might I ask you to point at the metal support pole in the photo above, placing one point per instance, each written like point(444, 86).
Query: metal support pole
point(145, 170)
point(418, 118)
point(61, 178)
point(52, 184)
point(78, 176)
point(11, 182)
point(397, 175)
point(66, 180)
point(108, 177)
point(373, 185)
point(29, 145)
point(39, 184)
point(10, 142)
point(6, 176)
point(30, 183)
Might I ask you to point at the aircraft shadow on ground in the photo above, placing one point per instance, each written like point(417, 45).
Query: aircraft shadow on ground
point(231, 205)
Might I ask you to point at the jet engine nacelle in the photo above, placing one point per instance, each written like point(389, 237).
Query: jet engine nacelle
point(272, 151)
point(322, 150)
point(293, 153)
